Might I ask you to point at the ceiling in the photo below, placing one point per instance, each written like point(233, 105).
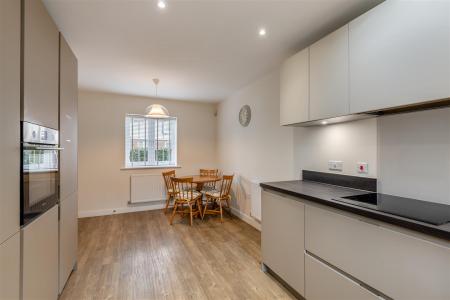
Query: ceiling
point(201, 50)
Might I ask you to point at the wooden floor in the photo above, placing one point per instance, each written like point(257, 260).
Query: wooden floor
point(140, 256)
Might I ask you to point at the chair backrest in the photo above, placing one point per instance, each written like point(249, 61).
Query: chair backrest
point(168, 179)
point(184, 188)
point(225, 188)
point(209, 172)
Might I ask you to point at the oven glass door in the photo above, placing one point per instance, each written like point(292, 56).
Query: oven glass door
point(40, 182)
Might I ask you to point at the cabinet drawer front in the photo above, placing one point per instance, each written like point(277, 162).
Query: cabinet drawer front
point(398, 265)
point(282, 239)
point(322, 283)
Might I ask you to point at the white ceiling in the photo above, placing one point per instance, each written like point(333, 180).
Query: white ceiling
point(201, 50)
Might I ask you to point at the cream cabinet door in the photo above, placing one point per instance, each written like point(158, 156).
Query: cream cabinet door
point(329, 92)
point(324, 283)
point(68, 238)
point(9, 117)
point(40, 65)
point(282, 238)
point(10, 268)
point(398, 265)
point(399, 55)
point(294, 89)
point(40, 257)
point(68, 120)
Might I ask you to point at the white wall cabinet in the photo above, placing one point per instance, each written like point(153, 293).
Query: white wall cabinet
point(397, 54)
point(294, 89)
point(401, 266)
point(282, 238)
point(400, 55)
point(10, 268)
point(40, 257)
point(329, 90)
point(40, 65)
point(68, 224)
point(9, 117)
point(324, 283)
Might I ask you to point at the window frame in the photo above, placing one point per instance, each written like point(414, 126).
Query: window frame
point(128, 139)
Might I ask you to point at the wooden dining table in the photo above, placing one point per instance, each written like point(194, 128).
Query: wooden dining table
point(200, 181)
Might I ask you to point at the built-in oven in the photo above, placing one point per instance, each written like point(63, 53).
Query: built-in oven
point(40, 171)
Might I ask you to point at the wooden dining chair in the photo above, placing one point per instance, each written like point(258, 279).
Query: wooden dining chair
point(169, 187)
point(209, 186)
point(185, 194)
point(216, 197)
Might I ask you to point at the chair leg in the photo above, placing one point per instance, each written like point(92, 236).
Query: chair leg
point(221, 212)
point(206, 206)
point(167, 203)
point(190, 213)
point(173, 213)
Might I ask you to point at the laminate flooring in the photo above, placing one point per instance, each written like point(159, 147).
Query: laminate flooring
point(140, 256)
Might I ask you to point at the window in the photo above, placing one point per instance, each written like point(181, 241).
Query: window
point(150, 142)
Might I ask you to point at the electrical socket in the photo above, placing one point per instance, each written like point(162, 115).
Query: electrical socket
point(335, 165)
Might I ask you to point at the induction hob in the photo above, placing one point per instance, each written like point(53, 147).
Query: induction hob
point(424, 211)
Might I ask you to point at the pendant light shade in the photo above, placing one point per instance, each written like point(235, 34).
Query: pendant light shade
point(156, 111)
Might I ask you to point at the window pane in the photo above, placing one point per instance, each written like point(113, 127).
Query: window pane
point(150, 142)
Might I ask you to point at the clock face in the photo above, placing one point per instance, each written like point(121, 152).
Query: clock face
point(245, 115)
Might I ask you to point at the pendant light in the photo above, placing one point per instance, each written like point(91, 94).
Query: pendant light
point(156, 111)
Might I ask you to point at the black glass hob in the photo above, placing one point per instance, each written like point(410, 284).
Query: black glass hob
point(428, 212)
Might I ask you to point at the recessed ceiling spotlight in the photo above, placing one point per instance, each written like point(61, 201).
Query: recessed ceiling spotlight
point(262, 32)
point(162, 4)
point(324, 122)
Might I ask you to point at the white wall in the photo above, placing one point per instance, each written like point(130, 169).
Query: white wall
point(103, 186)
point(415, 155)
point(262, 151)
point(351, 143)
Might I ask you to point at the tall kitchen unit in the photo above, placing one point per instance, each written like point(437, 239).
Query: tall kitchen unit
point(49, 99)
point(68, 130)
point(9, 149)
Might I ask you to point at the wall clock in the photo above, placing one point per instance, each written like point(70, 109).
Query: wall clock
point(245, 115)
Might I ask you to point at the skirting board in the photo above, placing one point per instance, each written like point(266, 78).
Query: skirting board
point(135, 208)
point(121, 210)
point(246, 218)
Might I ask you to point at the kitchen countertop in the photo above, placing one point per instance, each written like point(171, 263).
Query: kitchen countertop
point(325, 193)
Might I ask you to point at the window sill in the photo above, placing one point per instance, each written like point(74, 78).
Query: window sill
point(149, 167)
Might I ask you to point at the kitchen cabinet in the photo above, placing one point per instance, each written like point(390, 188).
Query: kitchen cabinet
point(401, 266)
point(329, 90)
point(399, 55)
point(9, 118)
point(68, 224)
point(40, 65)
point(324, 283)
point(68, 120)
point(10, 267)
point(282, 239)
point(294, 89)
point(68, 238)
point(40, 257)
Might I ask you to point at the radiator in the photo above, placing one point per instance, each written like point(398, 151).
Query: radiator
point(255, 199)
point(147, 188)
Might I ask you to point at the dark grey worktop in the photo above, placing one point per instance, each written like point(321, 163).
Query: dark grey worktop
point(324, 193)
